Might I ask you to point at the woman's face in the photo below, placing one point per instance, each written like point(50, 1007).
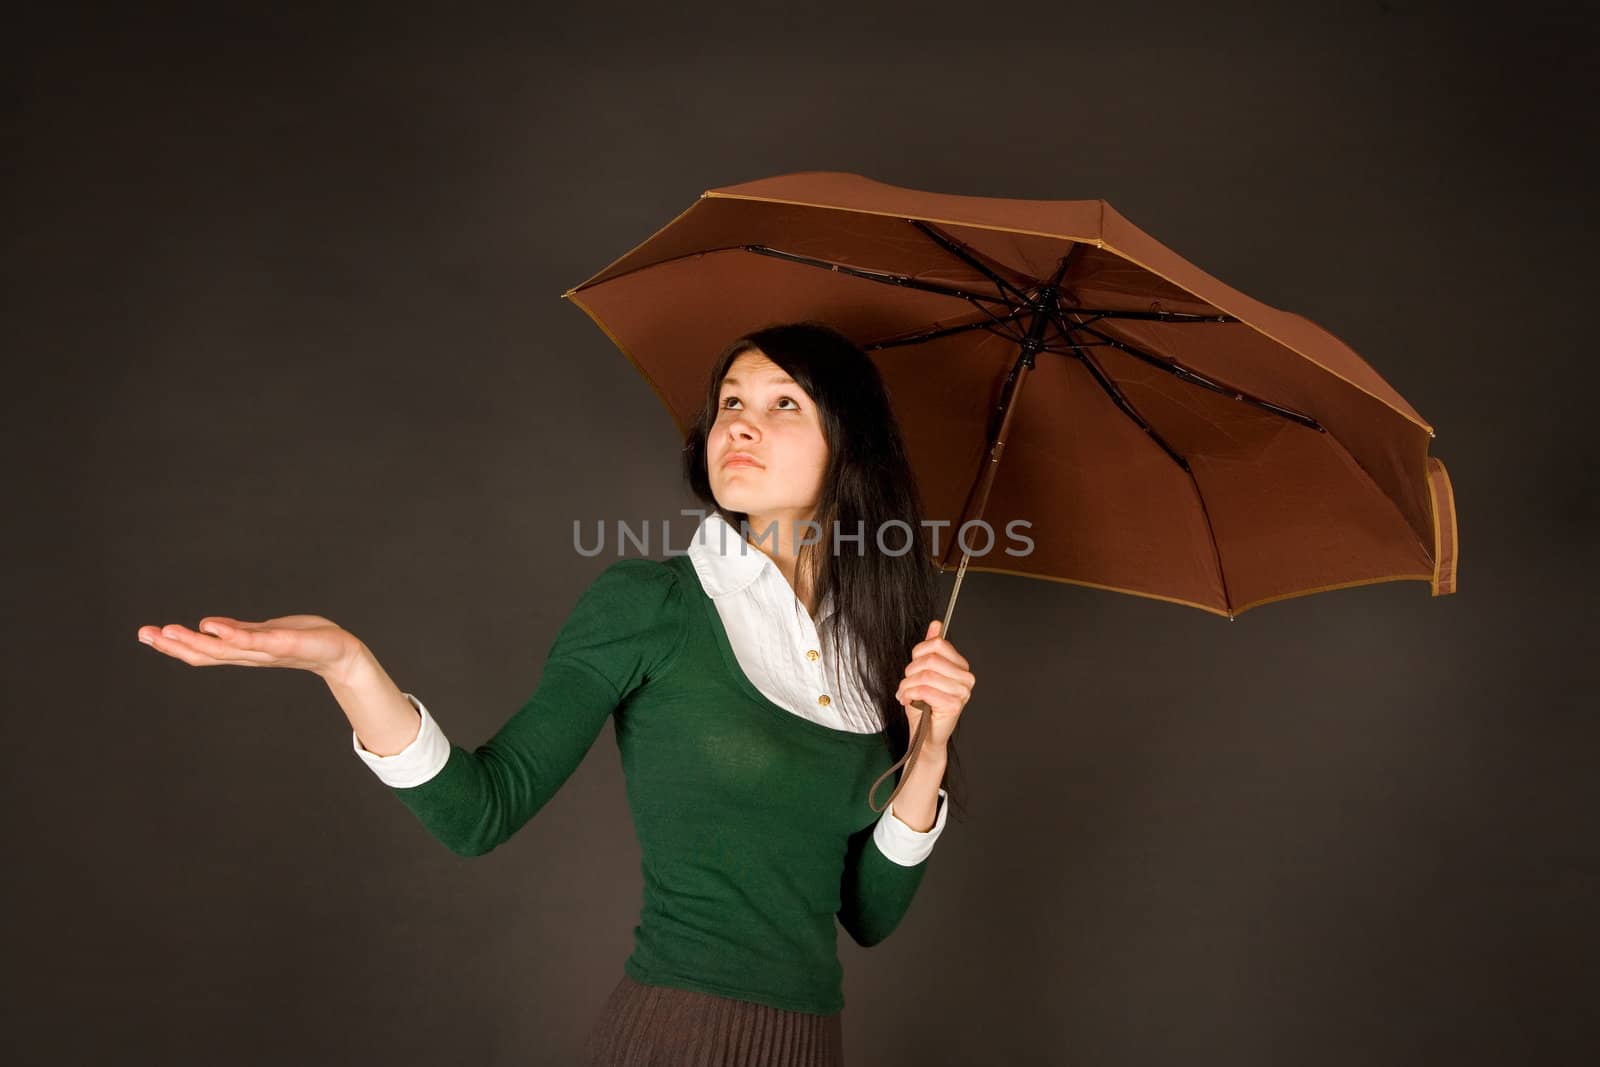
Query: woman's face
point(770, 428)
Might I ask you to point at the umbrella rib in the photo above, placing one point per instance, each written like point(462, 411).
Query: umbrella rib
point(1150, 316)
point(1216, 550)
point(1183, 373)
point(967, 256)
point(961, 252)
point(905, 281)
point(995, 321)
point(902, 280)
point(1069, 349)
point(946, 331)
point(1122, 402)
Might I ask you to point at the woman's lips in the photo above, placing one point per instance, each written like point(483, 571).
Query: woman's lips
point(740, 461)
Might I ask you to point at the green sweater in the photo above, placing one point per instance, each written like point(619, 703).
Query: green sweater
point(753, 822)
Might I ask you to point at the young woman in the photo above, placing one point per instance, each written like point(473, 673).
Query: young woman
point(759, 684)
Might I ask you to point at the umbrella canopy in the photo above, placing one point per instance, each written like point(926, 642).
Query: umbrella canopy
point(1177, 439)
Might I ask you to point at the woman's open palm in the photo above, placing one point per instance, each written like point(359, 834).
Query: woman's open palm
point(306, 642)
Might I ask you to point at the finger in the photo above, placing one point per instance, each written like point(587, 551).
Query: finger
point(213, 650)
point(223, 626)
point(176, 648)
point(263, 641)
point(940, 664)
point(932, 682)
point(943, 668)
point(939, 683)
point(945, 650)
point(937, 701)
point(939, 647)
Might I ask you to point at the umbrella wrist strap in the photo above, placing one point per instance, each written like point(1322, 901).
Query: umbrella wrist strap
point(909, 760)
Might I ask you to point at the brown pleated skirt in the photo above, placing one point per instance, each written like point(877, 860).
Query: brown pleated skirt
point(661, 1026)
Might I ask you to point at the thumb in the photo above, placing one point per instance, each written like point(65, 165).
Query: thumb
point(933, 628)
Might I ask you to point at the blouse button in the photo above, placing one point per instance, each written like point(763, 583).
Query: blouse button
point(823, 700)
point(811, 654)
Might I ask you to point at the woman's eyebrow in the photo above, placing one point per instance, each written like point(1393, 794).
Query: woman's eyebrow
point(775, 381)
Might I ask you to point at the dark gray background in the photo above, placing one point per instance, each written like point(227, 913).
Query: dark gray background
point(284, 335)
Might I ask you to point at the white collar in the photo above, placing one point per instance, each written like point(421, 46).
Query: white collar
point(728, 564)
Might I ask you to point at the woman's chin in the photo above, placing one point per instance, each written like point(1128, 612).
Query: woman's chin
point(736, 498)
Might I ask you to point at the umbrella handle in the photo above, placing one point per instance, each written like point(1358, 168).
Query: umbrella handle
point(912, 750)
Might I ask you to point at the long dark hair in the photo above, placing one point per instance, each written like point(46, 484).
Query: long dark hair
point(884, 602)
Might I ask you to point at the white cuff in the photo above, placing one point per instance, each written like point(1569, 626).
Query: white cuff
point(901, 843)
point(419, 761)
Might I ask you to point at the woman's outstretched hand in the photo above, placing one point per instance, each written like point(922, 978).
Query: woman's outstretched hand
point(306, 642)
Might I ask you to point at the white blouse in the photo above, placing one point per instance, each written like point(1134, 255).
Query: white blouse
point(773, 636)
point(778, 647)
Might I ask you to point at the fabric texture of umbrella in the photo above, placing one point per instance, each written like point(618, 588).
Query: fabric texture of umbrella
point(1176, 439)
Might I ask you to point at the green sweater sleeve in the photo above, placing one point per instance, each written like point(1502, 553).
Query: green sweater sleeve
point(621, 632)
point(875, 892)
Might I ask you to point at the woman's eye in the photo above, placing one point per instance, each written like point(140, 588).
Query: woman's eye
point(790, 399)
point(729, 401)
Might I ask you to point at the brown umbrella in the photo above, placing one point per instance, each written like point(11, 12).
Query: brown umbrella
point(1177, 440)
